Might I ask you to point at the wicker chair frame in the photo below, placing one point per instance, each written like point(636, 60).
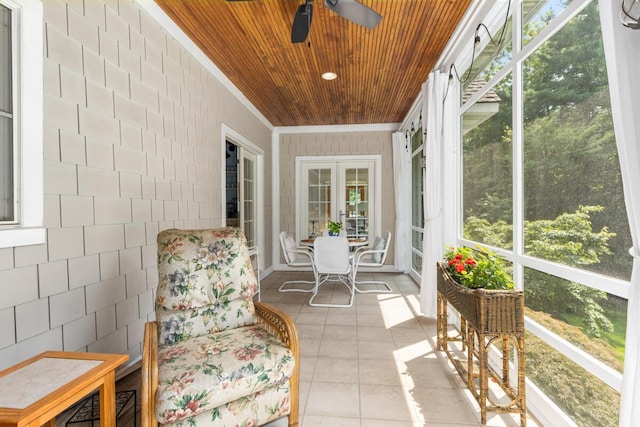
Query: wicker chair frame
point(270, 318)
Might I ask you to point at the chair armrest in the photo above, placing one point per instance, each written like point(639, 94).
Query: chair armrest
point(149, 374)
point(269, 317)
point(281, 324)
point(366, 251)
point(305, 250)
point(308, 253)
point(278, 323)
point(361, 249)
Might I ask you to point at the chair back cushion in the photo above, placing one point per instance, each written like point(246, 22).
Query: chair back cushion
point(288, 244)
point(331, 254)
point(378, 244)
point(206, 283)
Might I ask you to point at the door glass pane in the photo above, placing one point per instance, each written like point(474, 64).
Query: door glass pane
point(357, 202)
point(573, 200)
point(248, 196)
point(231, 184)
point(319, 204)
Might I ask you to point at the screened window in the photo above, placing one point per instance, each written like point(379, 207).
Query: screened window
point(541, 183)
point(417, 201)
point(487, 159)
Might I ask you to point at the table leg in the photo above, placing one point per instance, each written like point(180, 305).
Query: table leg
point(108, 401)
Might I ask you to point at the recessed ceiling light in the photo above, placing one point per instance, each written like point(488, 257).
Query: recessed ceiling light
point(329, 75)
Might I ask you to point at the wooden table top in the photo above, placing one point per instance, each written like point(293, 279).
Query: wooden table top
point(48, 381)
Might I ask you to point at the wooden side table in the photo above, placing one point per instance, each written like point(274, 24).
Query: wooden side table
point(33, 392)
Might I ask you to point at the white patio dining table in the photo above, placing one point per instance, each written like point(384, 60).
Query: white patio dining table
point(353, 243)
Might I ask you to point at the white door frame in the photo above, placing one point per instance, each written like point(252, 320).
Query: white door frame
point(227, 133)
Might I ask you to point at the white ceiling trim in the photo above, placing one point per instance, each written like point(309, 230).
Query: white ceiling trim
point(376, 127)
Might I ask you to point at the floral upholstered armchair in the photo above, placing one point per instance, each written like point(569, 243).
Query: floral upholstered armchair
point(213, 357)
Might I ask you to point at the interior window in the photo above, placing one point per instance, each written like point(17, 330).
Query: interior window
point(7, 205)
point(21, 160)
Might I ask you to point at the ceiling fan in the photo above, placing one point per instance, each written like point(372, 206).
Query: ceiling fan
point(349, 9)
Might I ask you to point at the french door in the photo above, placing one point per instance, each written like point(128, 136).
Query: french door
point(337, 190)
point(241, 190)
point(248, 211)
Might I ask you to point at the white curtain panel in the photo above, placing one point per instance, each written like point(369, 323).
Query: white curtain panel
point(435, 124)
point(402, 189)
point(621, 47)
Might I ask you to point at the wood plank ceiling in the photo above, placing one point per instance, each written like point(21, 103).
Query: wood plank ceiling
point(380, 71)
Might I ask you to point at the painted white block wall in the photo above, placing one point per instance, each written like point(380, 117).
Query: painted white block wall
point(132, 145)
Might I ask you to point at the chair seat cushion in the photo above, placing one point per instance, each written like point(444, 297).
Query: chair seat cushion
point(199, 374)
point(255, 410)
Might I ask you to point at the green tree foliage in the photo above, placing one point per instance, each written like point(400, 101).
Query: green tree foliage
point(569, 152)
point(567, 239)
point(567, 69)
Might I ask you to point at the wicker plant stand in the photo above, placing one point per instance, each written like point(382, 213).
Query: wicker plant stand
point(487, 317)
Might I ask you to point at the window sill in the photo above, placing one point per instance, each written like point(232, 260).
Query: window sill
point(22, 236)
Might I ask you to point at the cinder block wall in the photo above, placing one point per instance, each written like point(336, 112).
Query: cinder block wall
point(132, 146)
point(336, 144)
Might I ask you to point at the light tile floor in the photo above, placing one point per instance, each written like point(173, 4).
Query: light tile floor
point(374, 364)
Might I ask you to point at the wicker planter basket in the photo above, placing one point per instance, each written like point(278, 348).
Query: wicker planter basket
point(487, 316)
point(488, 311)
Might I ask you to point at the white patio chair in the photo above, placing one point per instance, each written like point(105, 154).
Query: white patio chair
point(331, 258)
point(297, 256)
point(371, 257)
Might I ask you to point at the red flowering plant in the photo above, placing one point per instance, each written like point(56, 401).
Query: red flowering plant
point(477, 268)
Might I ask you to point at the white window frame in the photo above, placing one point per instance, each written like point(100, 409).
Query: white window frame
point(28, 89)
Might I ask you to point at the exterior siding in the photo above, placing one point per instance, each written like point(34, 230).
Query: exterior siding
point(132, 146)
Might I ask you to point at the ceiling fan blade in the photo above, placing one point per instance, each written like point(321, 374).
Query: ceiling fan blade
point(302, 22)
point(356, 12)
